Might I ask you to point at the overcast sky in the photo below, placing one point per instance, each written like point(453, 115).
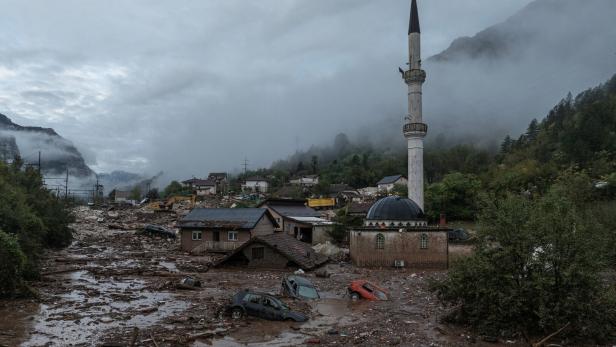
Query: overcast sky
point(195, 86)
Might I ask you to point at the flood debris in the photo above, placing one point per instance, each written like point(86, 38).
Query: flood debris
point(111, 281)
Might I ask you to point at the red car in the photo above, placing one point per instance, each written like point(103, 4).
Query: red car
point(367, 290)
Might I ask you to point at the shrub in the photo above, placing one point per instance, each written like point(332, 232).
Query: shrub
point(12, 262)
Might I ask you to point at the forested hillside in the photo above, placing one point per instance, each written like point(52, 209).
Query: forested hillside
point(578, 135)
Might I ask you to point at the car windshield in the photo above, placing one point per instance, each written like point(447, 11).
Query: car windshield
point(307, 292)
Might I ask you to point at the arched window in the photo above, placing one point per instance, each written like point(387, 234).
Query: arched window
point(423, 241)
point(380, 241)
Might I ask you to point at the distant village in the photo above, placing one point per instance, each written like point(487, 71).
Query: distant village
point(245, 220)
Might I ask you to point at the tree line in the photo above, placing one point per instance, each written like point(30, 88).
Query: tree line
point(32, 219)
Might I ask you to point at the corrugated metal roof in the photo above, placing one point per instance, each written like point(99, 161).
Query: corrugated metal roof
point(389, 179)
point(244, 218)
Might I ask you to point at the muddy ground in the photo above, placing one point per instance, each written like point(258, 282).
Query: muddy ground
point(115, 287)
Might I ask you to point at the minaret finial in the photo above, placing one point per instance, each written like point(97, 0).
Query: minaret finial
point(414, 22)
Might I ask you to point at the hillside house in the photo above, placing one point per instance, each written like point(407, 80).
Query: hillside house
point(223, 229)
point(255, 185)
point(306, 181)
point(387, 184)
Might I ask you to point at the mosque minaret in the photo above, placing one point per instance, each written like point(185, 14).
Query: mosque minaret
point(415, 129)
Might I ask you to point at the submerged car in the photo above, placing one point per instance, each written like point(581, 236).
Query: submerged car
point(157, 230)
point(366, 290)
point(299, 288)
point(248, 303)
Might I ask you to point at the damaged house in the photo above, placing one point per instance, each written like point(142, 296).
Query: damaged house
point(298, 220)
point(223, 229)
point(201, 187)
point(274, 251)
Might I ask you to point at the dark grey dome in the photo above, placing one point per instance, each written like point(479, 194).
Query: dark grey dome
point(395, 208)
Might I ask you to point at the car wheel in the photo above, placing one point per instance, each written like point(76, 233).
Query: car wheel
point(237, 313)
point(354, 296)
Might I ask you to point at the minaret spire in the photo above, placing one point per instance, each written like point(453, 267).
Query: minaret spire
point(414, 21)
point(415, 129)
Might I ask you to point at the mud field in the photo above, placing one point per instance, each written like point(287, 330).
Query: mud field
point(114, 287)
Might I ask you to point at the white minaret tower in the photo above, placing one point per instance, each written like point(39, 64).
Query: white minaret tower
point(414, 128)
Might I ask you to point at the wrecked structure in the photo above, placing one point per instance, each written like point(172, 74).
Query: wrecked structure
point(298, 220)
point(277, 250)
point(223, 229)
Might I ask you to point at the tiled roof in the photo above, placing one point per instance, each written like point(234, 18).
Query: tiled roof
point(294, 250)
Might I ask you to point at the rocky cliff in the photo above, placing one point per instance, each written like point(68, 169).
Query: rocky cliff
point(57, 153)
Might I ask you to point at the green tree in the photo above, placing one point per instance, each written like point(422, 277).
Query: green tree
point(174, 188)
point(400, 190)
point(457, 196)
point(534, 270)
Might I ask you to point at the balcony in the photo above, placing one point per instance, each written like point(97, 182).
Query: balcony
point(415, 129)
point(215, 247)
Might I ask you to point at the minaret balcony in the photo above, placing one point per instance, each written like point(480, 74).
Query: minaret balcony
point(414, 76)
point(415, 129)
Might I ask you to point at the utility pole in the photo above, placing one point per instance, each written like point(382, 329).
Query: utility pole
point(66, 186)
point(245, 166)
point(39, 162)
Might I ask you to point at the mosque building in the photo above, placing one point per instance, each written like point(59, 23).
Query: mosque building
point(395, 231)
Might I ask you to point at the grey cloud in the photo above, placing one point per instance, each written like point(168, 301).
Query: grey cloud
point(195, 86)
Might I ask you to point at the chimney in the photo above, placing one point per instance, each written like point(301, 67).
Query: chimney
point(443, 220)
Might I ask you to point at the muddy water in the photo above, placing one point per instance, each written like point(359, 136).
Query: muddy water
point(326, 313)
point(15, 321)
point(93, 306)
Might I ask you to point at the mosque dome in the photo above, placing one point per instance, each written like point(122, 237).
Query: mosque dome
point(395, 208)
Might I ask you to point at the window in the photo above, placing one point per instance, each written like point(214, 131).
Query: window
point(380, 241)
point(253, 298)
point(232, 235)
point(197, 235)
point(423, 241)
point(258, 253)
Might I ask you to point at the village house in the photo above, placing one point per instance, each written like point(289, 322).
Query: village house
point(298, 220)
point(255, 185)
point(396, 234)
point(306, 181)
point(223, 229)
point(221, 181)
point(387, 184)
point(200, 187)
point(119, 197)
point(274, 251)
